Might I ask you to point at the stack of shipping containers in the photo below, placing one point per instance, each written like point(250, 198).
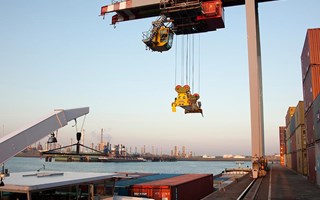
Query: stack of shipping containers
point(282, 138)
point(288, 134)
point(310, 65)
point(300, 139)
point(295, 146)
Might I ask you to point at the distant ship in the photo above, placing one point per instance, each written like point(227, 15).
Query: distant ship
point(112, 159)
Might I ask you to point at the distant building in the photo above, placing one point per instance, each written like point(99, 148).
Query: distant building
point(238, 156)
point(206, 156)
point(227, 156)
point(184, 152)
point(175, 151)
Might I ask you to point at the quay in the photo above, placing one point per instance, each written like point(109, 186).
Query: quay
point(279, 183)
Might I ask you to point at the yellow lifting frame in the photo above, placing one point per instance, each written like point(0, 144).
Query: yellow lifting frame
point(186, 100)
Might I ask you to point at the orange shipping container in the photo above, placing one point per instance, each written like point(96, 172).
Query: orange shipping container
point(311, 50)
point(185, 187)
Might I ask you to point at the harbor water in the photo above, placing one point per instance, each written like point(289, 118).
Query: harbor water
point(20, 164)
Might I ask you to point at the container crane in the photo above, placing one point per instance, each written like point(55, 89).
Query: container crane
point(191, 16)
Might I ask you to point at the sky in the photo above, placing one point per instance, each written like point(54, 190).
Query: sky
point(62, 54)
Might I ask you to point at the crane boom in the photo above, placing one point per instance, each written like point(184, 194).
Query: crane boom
point(16, 141)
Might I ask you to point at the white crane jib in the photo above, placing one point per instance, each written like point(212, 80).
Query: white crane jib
point(16, 141)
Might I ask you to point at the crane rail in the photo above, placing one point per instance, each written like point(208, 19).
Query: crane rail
point(251, 191)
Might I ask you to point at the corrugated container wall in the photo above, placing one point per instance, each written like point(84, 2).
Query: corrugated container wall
point(288, 146)
point(317, 152)
point(293, 143)
point(311, 164)
point(311, 50)
point(302, 163)
point(311, 85)
point(294, 161)
point(316, 118)
point(292, 124)
point(288, 160)
point(299, 114)
point(300, 138)
point(290, 113)
point(309, 127)
point(299, 162)
point(288, 132)
point(305, 162)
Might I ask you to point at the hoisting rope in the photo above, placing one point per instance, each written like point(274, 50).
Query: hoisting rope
point(199, 64)
point(76, 124)
point(188, 64)
point(175, 63)
point(192, 47)
point(188, 60)
point(182, 61)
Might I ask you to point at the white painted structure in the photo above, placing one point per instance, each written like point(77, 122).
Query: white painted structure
point(18, 140)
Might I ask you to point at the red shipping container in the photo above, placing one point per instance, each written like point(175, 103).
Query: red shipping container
point(309, 127)
point(294, 161)
point(311, 86)
point(311, 50)
point(185, 187)
point(316, 118)
point(311, 164)
point(317, 154)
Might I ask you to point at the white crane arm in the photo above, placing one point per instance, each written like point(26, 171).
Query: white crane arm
point(16, 141)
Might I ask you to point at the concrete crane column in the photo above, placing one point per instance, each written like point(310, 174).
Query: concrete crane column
point(255, 79)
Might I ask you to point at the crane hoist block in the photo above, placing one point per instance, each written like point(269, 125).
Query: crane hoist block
point(189, 102)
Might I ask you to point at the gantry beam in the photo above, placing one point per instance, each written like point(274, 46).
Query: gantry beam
point(18, 140)
point(138, 9)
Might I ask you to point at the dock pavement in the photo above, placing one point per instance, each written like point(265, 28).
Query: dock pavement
point(280, 183)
